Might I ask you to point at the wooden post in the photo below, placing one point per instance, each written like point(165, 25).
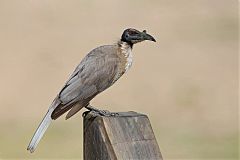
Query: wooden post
point(128, 135)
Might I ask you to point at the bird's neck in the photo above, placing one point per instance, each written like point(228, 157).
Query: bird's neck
point(125, 44)
point(126, 54)
point(125, 48)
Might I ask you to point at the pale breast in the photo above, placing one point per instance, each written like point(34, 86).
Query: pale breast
point(126, 52)
point(129, 57)
point(125, 59)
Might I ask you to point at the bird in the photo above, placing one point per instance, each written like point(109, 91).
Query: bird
point(97, 71)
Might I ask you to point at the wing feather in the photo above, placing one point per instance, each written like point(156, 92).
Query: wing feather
point(93, 75)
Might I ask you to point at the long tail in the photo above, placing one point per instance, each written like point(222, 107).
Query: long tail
point(40, 130)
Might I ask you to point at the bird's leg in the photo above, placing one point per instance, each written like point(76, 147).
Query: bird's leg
point(101, 112)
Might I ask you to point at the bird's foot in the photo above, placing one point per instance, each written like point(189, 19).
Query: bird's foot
point(101, 112)
point(106, 113)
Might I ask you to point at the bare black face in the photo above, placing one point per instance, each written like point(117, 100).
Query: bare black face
point(132, 36)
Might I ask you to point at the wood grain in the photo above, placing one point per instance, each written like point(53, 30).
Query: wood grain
point(128, 135)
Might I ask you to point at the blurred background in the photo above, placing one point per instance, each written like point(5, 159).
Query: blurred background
point(187, 82)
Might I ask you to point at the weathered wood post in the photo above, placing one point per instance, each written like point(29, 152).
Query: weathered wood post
point(128, 135)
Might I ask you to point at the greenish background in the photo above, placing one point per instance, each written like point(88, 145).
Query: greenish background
point(187, 82)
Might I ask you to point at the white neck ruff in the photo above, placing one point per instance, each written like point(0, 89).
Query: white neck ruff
point(127, 51)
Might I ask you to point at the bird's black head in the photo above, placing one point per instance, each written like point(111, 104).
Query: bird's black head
point(132, 36)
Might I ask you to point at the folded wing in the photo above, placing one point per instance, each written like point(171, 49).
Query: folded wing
point(93, 75)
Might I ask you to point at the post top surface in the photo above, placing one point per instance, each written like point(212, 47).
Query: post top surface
point(119, 114)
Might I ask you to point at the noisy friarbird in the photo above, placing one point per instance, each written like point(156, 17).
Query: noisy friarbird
point(100, 69)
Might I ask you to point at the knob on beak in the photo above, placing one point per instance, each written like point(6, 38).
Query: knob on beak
point(147, 36)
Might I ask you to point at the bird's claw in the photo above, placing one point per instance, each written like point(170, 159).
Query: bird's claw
point(101, 112)
point(107, 113)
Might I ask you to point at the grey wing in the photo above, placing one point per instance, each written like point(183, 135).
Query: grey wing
point(93, 75)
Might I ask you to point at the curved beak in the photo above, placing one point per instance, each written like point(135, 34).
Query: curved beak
point(146, 36)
